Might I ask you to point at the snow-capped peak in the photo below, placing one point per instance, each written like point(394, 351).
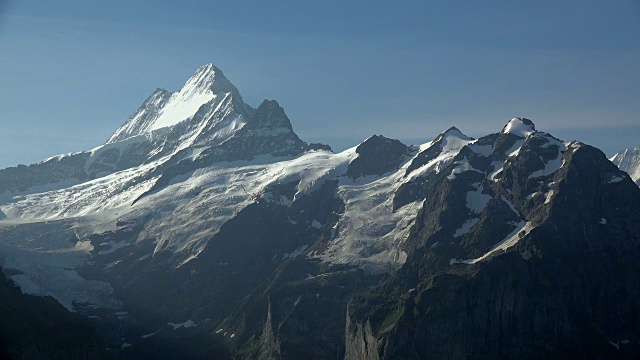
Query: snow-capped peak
point(520, 127)
point(163, 109)
point(207, 83)
point(453, 131)
point(451, 139)
point(628, 160)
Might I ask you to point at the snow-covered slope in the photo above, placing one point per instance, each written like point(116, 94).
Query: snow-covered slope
point(629, 160)
point(372, 230)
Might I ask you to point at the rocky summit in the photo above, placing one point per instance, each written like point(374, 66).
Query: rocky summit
point(205, 228)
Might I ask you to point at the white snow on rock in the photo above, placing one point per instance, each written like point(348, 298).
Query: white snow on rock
point(184, 104)
point(464, 228)
point(615, 179)
point(498, 166)
point(484, 150)
point(549, 167)
point(187, 324)
point(515, 149)
point(532, 195)
point(522, 229)
point(476, 200)
point(47, 263)
point(461, 166)
point(517, 127)
point(629, 161)
point(452, 142)
point(146, 336)
point(549, 196)
point(295, 253)
point(165, 109)
point(369, 233)
point(513, 208)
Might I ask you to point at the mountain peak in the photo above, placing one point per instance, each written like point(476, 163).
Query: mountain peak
point(270, 115)
point(454, 131)
point(376, 156)
point(163, 108)
point(519, 126)
point(209, 77)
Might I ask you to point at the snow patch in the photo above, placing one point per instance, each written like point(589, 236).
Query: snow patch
point(187, 324)
point(150, 335)
point(549, 196)
point(615, 179)
point(84, 246)
point(461, 166)
point(463, 229)
point(484, 150)
point(476, 200)
point(295, 253)
point(522, 229)
point(498, 166)
point(517, 127)
point(549, 167)
point(515, 149)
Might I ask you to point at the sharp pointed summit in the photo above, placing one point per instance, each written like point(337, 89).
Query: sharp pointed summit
point(208, 85)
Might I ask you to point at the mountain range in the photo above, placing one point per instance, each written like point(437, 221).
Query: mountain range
point(204, 228)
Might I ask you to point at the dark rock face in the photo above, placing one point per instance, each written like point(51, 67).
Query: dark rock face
point(269, 131)
point(568, 289)
point(376, 156)
point(35, 327)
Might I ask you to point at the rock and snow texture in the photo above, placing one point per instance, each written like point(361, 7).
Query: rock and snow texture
point(370, 232)
point(163, 109)
point(522, 229)
point(629, 161)
point(520, 127)
point(190, 161)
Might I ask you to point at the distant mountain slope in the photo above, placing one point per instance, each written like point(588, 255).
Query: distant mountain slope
point(35, 327)
point(629, 160)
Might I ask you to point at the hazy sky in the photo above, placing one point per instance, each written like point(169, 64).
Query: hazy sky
point(72, 71)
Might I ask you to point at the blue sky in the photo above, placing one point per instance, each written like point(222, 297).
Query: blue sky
point(72, 71)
